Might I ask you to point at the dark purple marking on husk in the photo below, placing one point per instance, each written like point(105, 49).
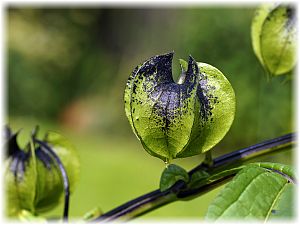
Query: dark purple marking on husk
point(289, 13)
point(45, 158)
point(163, 91)
point(7, 133)
point(168, 96)
point(18, 164)
point(12, 146)
point(206, 98)
point(19, 158)
point(291, 16)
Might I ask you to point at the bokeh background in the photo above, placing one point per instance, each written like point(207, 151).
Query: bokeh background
point(67, 69)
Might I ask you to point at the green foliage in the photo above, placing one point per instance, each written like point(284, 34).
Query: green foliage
point(197, 178)
point(181, 119)
point(273, 34)
point(171, 174)
point(33, 179)
point(254, 193)
point(284, 207)
point(284, 169)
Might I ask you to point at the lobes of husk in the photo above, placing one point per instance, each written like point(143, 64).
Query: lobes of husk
point(273, 35)
point(182, 119)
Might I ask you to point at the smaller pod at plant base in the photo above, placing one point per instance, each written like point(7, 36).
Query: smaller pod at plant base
point(176, 120)
point(33, 180)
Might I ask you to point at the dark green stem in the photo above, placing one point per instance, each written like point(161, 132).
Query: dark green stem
point(181, 190)
point(208, 160)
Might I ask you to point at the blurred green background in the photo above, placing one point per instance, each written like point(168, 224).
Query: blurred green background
point(67, 69)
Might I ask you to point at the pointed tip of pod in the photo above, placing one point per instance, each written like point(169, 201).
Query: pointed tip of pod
point(167, 56)
point(192, 69)
point(13, 146)
point(191, 58)
point(192, 63)
point(7, 132)
point(161, 63)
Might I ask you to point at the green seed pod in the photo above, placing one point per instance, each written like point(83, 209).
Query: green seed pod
point(273, 34)
point(181, 119)
point(33, 179)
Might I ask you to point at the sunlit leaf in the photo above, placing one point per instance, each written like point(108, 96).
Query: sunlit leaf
point(283, 169)
point(284, 207)
point(254, 194)
point(197, 177)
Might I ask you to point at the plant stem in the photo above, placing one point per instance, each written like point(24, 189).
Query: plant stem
point(180, 191)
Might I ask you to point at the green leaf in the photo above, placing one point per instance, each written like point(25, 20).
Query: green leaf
point(273, 35)
point(284, 206)
point(178, 119)
point(254, 193)
point(171, 175)
point(197, 178)
point(201, 177)
point(283, 169)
